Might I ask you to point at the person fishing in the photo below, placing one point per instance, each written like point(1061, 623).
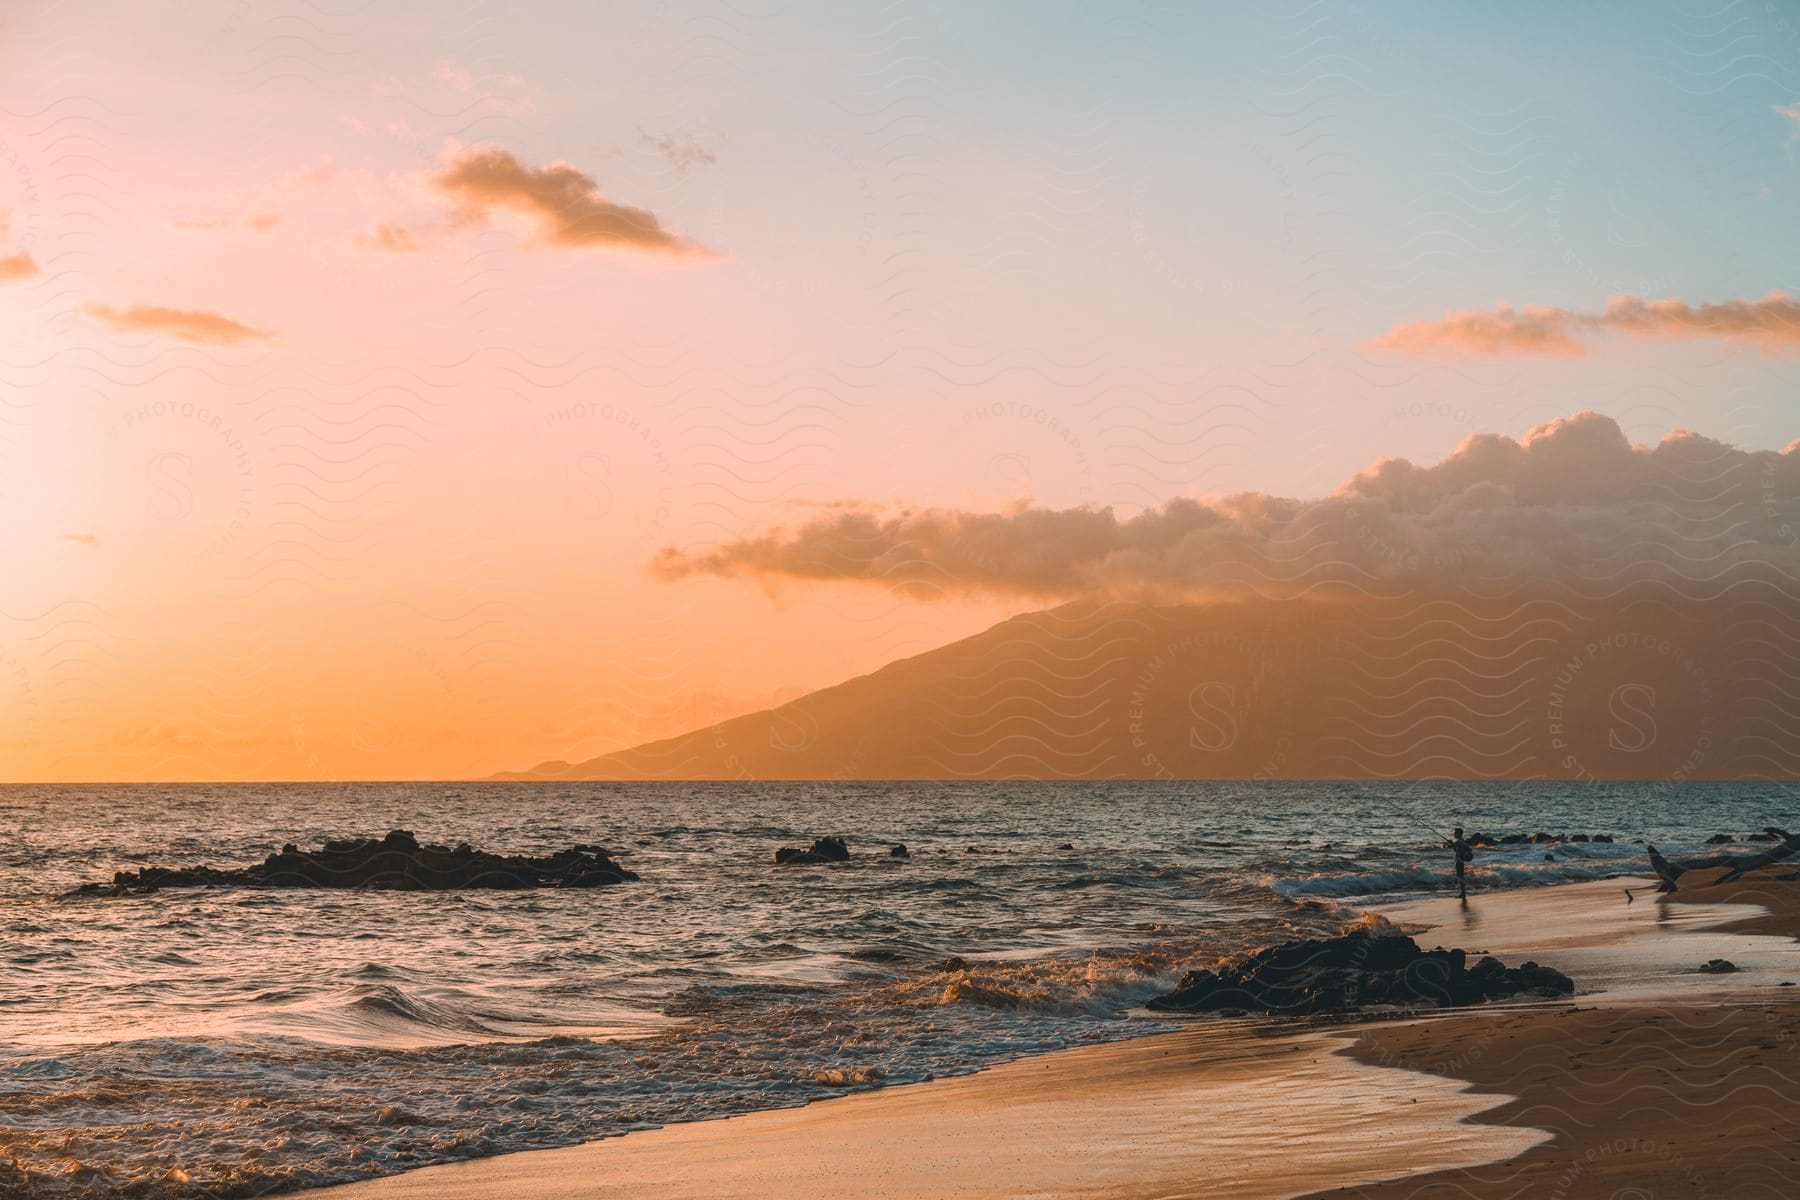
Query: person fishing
point(1465, 854)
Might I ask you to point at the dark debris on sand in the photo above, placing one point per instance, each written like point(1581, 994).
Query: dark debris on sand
point(395, 862)
point(1353, 971)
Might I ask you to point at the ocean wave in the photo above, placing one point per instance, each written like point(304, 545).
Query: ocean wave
point(323, 1039)
point(1436, 879)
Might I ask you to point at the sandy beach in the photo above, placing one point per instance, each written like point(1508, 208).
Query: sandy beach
point(1655, 1077)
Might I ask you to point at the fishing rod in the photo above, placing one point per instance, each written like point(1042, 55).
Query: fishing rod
point(1439, 834)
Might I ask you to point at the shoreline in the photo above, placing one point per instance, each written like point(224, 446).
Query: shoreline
point(1263, 1111)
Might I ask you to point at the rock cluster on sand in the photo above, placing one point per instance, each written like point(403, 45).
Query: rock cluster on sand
point(1356, 970)
point(823, 850)
point(396, 861)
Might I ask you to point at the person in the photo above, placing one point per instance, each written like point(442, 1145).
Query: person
point(1465, 854)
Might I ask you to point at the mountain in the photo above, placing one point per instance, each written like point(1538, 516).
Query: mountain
point(1657, 688)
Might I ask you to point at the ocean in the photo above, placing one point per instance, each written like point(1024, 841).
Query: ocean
point(237, 1042)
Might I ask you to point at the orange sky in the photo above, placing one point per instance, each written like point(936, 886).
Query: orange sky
point(356, 366)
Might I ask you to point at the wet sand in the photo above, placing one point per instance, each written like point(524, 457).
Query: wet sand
point(1668, 1081)
point(1694, 1098)
point(1216, 1112)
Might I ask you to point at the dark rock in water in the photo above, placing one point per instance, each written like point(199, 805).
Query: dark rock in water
point(1718, 966)
point(1354, 971)
point(1767, 836)
point(1603, 837)
point(823, 850)
point(1549, 858)
point(1720, 839)
point(1479, 840)
point(1578, 837)
point(1514, 839)
point(900, 851)
point(1541, 838)
point(1066, 846)
point(395, 862)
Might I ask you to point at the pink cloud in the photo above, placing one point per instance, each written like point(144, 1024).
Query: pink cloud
point(566, 204)
point(185, 325)
point(1771, 325)
point(394, 239)
point(18, 266)
point(1573, 502)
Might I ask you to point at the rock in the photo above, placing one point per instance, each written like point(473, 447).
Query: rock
point(1480, 839)
point(1767, 836)
point(1603, 837)
point(395, 862)
point(1066, 846)
point(1549, 858)
point(1718, 966)
point(1514, 839)
point(1578, 837)
point(900, 851)
point(823, 850)
point(1351, 972)
point(1540, 838)
point(1720, 839)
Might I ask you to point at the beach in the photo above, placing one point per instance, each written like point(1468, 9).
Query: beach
point(1655, 1077)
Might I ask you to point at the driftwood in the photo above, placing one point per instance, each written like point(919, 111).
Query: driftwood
point(1738, 864)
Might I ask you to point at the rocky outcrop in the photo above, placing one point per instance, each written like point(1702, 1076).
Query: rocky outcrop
point(1539, 838)
point(1354, 971)
point(395, 862)
point(823, 850)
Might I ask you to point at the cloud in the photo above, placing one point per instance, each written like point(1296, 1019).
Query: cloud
point(684, 153)
point(1771, 324)
point(395, 239)
point(1572, 504)
point(566, 204)
point(1791, 112)
point(18, 266)
point(255, 223)
point(186, 325)
point(83, 539)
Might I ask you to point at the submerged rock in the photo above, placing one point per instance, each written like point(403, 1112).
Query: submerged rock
point(823, 850)
point(1354, 971)
point(395, 862)
point(900, 851)
point(1718, 966)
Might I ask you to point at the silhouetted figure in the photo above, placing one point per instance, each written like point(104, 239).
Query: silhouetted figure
point(1465, 854)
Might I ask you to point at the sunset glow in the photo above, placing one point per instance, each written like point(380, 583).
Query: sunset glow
point(382, 391)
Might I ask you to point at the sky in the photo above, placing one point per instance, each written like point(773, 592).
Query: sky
point(361, 363)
